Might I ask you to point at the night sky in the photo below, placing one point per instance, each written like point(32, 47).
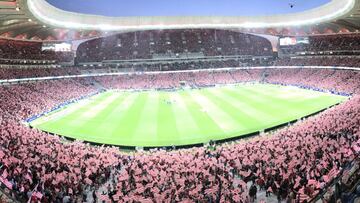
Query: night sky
point(117, 8)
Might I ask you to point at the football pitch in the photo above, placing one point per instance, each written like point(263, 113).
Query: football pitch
point(183, 117)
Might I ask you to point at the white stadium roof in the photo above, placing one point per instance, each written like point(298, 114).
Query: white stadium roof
point(51, 15)
point(37, 20)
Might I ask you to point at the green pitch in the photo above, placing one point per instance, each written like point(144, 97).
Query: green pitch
point(158, 118)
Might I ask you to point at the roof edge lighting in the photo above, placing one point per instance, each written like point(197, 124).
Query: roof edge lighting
point(51, 15)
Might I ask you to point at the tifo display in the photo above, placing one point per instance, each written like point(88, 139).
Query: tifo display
point(304, 157)
point(205, 112)
point(183, 117)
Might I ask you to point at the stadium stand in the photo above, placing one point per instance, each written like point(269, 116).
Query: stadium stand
point(344, 61)
point(335, 44)
point(29, 71)
point(173, 44)
point(302, 162)
point(294, 163)
point(29, 52)
point(10, 72)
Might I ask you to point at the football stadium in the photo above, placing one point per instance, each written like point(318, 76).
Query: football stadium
point(180, 101)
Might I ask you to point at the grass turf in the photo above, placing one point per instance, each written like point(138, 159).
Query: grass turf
point(183, 117)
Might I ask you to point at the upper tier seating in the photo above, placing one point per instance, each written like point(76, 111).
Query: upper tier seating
point(168, 43)
point(27, 50)
point(321, 43)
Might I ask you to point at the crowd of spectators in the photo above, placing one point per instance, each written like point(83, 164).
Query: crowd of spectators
point(175, 43)
point(168, 43)
point(29, 71)
point(294, 163)
point(344, 61)
point(36, 71)
point(321, 43)
point(35, 161)
point(29, 51)
point(11, 72)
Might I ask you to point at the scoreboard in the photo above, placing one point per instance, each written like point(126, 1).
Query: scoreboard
point(291, 41)
point(53, 46)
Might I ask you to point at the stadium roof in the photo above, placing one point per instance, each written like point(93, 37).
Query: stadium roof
point(39, 20)
point(146, 8)
point(17, 22)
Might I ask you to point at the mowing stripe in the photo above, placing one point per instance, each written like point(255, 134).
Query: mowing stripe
point(252, 102)
point(65, 124)
point(125, 126)
point(167, 129)
point(241, 105)
point(225, 107)
point(86, 128)
point(147, 124)
point(185, 123)
point(222, 118)
point(106, 118)
point(70, 109)
point(278, 114)
point(207, 125)
point(158, 118)
point(245, 121)
point(290, 106)
point(260, 101)
point(93, 112)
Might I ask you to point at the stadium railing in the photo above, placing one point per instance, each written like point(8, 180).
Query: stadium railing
point(332, 184)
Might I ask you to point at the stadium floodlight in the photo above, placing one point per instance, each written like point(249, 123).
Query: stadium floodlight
point(49, 14)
